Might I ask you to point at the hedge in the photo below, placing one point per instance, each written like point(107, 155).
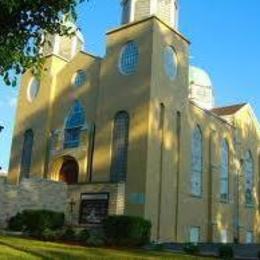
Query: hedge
point(127, 230)
point(35, 221)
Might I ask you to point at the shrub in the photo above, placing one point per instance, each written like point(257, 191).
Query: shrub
point(258, 255)
point(126, 230)
point(36, 221)
point(159, 247)
point(191, 248)
point(69, 234)
point(226, 252)
point(83, 235)
point(50, 235)
point(96, 238)
point(17, 222)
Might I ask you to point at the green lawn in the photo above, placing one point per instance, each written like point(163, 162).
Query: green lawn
point(17, 248)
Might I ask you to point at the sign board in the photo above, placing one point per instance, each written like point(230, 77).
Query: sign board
point(93, 208)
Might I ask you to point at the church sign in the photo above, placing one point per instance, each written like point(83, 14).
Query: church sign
point(93, 208)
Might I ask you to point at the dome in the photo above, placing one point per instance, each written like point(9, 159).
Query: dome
point(199, 77)
point(201, 88)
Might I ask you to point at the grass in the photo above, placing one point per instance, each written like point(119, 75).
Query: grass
point(19, 248)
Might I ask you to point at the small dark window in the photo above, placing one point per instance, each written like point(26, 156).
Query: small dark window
point(27, 154)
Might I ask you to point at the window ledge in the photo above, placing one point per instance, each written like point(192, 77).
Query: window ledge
point(224, 201)
point(196, 196)
point(250, 206)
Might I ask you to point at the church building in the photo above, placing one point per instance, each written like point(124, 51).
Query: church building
point(137, 133)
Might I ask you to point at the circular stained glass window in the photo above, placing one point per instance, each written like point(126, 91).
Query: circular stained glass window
point(129, 58)
point(79, 78)
point(33, 89)
point(170, 62)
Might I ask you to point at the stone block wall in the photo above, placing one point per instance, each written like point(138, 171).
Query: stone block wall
point(33, 193)
point(38, 193)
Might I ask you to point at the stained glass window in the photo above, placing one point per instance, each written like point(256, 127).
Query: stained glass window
point(129, 58)
point(224, 177)
point(249, 178)
point(27, 154)
point(197, 160)
point(79, 78)
point(120, 147)
point(74, 123)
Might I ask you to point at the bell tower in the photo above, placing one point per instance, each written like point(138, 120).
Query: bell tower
point(166, 10)
point(64, 46)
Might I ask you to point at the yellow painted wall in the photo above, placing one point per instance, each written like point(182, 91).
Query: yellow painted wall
point(155, 170)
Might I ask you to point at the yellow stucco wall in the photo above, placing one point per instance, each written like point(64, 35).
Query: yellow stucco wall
point(156, 171)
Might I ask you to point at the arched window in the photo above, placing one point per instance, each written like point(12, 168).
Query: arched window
point(224, 177)
point(27, 154)
point(129, 58)
point(249, 178)
point(197, 161)
point(74, 123)
point(120, 147)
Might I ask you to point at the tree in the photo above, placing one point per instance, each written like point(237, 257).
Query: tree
point(22, 26)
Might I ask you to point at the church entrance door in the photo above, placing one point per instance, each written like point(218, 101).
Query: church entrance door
point(69, 171)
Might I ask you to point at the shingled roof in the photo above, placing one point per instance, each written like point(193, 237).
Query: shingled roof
point(228, 110)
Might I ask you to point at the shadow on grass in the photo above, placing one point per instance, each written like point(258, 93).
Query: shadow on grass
point(47, 250)
point(26, 250)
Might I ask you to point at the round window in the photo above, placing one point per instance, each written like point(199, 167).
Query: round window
point(170, 62)
point(79, 78)
point(129, 58)
point(33, 89)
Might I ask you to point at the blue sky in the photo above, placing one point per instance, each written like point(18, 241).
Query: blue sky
point(225, 37)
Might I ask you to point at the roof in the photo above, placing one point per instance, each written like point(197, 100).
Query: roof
point(228, 110)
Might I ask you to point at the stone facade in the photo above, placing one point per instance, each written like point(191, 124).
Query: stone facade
point(34, 193)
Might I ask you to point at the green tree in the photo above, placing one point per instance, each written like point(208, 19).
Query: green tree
point(22, 26)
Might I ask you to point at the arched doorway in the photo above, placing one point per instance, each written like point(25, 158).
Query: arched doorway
point(69, 171)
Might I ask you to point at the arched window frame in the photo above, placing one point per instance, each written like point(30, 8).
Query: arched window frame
point(73, 125)
point(249, 178)
point(197, 162)
point(26, 159)
point(224, 171)
point(120, 147)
